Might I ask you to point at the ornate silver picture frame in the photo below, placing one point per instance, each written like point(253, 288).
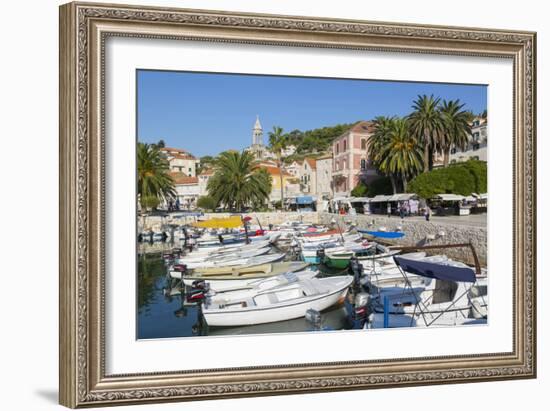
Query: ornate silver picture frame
point(84, 29)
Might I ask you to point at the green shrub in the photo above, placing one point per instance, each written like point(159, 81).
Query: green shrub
point(207, 203)
point(460, 178)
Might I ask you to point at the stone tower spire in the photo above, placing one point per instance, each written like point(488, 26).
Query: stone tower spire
point(257, 133)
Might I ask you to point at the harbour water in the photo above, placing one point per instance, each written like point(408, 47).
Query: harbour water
point(164, 313)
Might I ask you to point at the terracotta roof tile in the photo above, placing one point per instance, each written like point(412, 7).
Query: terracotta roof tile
point(183, 179)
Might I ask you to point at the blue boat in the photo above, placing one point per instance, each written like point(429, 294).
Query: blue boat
point(383, 234)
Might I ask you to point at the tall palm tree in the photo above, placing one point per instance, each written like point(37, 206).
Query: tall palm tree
point(277, 144)
point(153, 178)
point(456, 123)
point(401, 154)
point(377, 141)
point(235, 183)
point(426, 124)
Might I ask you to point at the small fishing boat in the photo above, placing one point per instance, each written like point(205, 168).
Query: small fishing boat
point(222, 295)
point(278, 304)
point(201, 260)
point(240, 276)
point(179, 270)
point(388, 235)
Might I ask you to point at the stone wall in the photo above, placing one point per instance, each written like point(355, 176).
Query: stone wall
point(418, 232)
point(276, 217)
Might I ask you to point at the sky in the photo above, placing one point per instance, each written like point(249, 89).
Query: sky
point(206, 113)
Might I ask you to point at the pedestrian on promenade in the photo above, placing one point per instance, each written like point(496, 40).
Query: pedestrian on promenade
point(389, 209)
point(402, 212)
point(427, 213)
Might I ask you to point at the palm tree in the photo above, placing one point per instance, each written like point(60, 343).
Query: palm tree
point(277, 143)
point(456, 123)
point(401, 155)
point(377, 141)
point(426, 124)
point(153, 178)
point(235, 183)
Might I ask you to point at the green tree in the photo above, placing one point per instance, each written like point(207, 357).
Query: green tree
point(456, 126)
point(377, 141)
point(153, 178)
point(426, 125)
point(207, 203)
point(277, 143)
point(460, 178)
point(236, 184)
point(400, 155)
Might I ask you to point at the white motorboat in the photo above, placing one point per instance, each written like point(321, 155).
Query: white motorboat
point(435, 290)
point(278, 304)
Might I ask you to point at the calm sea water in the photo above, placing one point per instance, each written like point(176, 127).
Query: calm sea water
point(164, 313)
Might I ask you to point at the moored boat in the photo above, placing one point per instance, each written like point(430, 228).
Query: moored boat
point(237, 276)
point(278, 304)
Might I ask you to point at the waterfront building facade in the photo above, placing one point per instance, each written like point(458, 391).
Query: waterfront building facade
point(324, 177)
point(307, 173)
point(187, 190)
point(477, 143)
point(181, 161)
point(350, 159)
point(203, 178)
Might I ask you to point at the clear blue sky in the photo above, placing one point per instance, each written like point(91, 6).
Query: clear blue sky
point(209, 113)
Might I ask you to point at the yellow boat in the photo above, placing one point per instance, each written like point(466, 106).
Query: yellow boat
point(227, 222)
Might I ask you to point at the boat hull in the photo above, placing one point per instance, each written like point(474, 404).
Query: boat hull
point(262, 315)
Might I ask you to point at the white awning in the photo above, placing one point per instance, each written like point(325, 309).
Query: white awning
point(402, 197)
point(449, 197)
point(380, 198)
point(359, 200)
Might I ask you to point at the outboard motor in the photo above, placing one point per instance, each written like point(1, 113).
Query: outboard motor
point(357, 270)
point(168, 258)
point(361, 306)
point(321, 255)
point(198, 291)
point(180, 268)
point(314, 318)
point(200, 285)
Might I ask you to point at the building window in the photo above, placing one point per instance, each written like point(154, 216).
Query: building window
point(344, 165)
point(363, 144)
point(363, 163)
point(337, 148)
point(345, 144)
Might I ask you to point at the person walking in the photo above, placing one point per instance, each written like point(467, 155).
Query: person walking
point(389, 209)
point(427, 213)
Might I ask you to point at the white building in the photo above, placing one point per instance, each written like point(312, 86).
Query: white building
point(187, 190)
point(204, 177)
point(181, 161)
point(324, 176)
point(477, 143)
point(308, 176)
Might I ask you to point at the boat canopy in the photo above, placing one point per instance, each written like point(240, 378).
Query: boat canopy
point(436, 270)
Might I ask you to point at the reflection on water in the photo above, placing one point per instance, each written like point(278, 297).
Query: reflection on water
point(163, 311)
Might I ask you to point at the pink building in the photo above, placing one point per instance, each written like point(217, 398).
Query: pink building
point(350, 164)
